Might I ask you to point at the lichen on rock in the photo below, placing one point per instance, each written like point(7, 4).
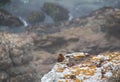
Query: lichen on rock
point(98, 68)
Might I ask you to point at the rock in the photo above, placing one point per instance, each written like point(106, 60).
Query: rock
point(20, 57)
point(23, 78)
point(29, 55)
point(7, 19)
point(82, 34)
point(23, 59)
point(19, 70)
point(36, 17)
point(87, 70)
point(113, 25)
point(3, 2)
point(5, 61)
point(57, 12)
point(3, 76)
point(50, 60)
point(15, 58)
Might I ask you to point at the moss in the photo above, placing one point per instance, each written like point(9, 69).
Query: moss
point(56, 11)
point(35, 17)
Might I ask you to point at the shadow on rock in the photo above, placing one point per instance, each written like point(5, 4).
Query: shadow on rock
point(7, 19)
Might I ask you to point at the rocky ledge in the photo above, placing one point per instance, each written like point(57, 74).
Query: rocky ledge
point(82, 67)
point(26, 56)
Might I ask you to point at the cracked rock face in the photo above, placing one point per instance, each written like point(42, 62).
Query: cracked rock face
point(98, 68)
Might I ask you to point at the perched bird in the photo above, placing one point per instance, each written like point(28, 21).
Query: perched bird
point(60, 58)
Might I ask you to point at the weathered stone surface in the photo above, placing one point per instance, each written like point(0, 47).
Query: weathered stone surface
point(23, 78)
point(93, 68)
point(15, 58)
point(57, 12)
point(5, 61)
point(19, 70)
point(6, 19)
point(3, 76)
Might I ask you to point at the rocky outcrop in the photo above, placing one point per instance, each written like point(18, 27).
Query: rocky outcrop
point(88, 34)
point(113, 26)
point(35, 49)
point(80, 67)
point(36, 17)
point(112, 17)
point(57, 12)
point(15, 58)
point(7, 19)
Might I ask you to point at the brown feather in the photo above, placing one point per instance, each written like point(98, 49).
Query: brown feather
point(60, 58)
